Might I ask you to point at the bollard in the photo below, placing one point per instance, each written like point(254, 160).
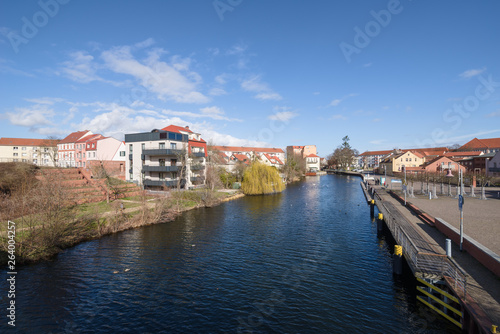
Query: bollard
point(380, 225)
point(372, 208)
point(448, 247)
point(397, 260)
point(494, 329)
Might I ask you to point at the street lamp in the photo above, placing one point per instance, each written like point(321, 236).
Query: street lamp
point(460, 202)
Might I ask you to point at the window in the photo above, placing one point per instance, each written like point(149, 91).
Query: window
point(15, 154)
point(143, 146)
point(46, 149)
point(161, 146)
point(35, 161)
point(93, 145)
point(35, 155)
point(24, 154)
point(24, 148)
point(15, 148)
point(122, 153)
point(130, 148)
point(406, 159)
point(131, 176)
point(15, 160)
point(161, 176)
point(173, 146)
point(162, 162)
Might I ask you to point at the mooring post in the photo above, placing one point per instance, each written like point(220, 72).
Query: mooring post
point(380, 225)
point(448, 247)
point(397, 260)
point(494, 329)
point(372, 208)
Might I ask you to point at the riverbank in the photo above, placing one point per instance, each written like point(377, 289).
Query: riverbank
point(40, 242)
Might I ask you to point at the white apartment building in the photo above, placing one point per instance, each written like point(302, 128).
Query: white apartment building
point(155, 159)
point(40, 152)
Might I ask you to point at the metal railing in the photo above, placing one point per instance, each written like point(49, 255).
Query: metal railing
point(427, 264)
point(161, 151)
point(146, 168)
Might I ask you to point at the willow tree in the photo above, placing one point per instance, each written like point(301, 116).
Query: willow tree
point(261, 179)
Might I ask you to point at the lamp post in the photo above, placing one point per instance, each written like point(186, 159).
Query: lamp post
point(460, 202)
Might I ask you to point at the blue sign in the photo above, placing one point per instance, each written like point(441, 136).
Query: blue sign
point(460, 201)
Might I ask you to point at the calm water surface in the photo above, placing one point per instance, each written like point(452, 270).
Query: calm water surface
point(304, 261)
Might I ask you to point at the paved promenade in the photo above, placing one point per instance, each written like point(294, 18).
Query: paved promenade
point(481, 217)
point(481, 222)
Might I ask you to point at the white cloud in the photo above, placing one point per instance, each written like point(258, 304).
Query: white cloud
point(339, 117)
point(472, 73)
point(217, 92)
point(144, 44)
point(237, 49)
point(170, 81)
point(208, 112)
point(336, 102)
point(46, 100)
point(368, 64)
point(81, 67)
point(34, 116)
point(376, 120)
point(283, 116)
point(221, 79)
point(255, 85)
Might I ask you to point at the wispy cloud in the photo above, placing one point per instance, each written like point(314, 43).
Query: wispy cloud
point(494, 114)
point(213, 112)
point(170, 81)
point(338, 117)
point(264, 92)
point(472, 73)
point(336, 102)
point(33, 116)
point(368, 64)
point(283, 116)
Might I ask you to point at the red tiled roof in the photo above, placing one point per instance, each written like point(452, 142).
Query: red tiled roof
point(248, 149)
point(312, 156)
point(89, 137)
point(368, 153)
point(242, 158)
point(462, 154)
point(27, 142)
point(273, 160)
point(176, 128)
point(481, 144)
point(74, 136)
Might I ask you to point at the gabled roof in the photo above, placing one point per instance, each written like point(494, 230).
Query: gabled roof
point(248, 149)
point(242, 158)
point(463, 154)
point(176, 128)
point(369, 153)
point(74, 136)
point(482, 144)
point(89, 137)
point(273, 159)
point(312, 156)
point(28, 142)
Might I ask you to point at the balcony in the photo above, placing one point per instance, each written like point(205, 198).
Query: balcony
point(199, 154)
point(197, 167)
point(197, 179)
point(160, 151)
point(494, 170)
point(157, 183)
point(160, 168)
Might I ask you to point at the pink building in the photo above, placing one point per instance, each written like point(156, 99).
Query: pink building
point(66, 148)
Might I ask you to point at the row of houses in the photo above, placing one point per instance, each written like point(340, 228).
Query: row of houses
point(151, 159)
point(477, 155)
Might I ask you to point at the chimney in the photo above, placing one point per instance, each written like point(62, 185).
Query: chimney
point(187, 127)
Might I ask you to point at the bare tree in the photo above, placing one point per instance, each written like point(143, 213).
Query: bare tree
point(344, 155)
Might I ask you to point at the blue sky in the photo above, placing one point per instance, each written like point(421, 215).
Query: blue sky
point(254, 72)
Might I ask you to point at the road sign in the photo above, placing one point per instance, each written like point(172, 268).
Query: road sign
point(460, 201)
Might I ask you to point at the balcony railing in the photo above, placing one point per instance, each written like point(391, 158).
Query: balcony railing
point(494, 170)
point(160, 168)
point(199, 154)
point(160, 151)
point(156, 183)
point(197, 167)
point(197, 179)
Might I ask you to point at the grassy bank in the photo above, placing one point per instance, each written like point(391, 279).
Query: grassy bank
point(41, 235)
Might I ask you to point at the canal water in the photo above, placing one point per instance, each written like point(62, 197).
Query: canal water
point(307, 260)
